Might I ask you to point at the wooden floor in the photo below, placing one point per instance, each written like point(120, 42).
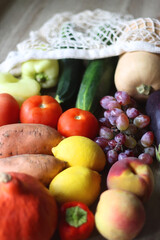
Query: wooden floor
point(19, 17)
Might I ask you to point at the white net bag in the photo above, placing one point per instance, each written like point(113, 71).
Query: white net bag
point(86, 35)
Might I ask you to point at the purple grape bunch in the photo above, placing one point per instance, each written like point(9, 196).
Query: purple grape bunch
point(124, 130)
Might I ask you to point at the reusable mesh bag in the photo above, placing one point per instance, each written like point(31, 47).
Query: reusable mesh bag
point(86, 35)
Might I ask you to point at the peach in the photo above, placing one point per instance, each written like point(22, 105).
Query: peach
point(120, 215)
point(132, 175)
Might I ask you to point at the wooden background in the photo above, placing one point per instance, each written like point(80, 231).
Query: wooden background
point(19, 17)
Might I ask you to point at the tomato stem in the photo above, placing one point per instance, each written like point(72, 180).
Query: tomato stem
point(77, 117)
point(42, 105)
point(5, 177)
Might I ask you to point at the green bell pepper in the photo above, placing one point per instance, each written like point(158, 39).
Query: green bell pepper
point(43, 71)
point(20, 89)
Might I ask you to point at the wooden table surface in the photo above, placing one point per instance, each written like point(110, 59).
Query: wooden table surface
point(19, 17)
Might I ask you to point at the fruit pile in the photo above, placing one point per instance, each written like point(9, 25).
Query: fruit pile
point(124, 129)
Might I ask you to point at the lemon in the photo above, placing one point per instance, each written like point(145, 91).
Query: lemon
point(76, 184)
point(81, 151)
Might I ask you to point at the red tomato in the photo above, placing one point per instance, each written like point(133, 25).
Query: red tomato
point(9, 109)
point(40, 109)
point(74, 122)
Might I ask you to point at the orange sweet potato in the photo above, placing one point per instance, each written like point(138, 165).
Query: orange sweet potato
point(23, 138)
point(41, 166)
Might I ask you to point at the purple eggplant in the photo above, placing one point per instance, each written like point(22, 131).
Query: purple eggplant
point(153, 111)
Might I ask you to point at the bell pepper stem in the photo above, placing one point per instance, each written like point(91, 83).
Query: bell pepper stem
point(41, 77)
point(76, 216)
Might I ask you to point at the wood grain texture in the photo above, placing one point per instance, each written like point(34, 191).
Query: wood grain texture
point(19, 17)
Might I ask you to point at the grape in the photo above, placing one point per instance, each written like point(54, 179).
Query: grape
point(146, 158)
point(105, 100)
point(120, 138)
point(112, 104)
point(102, 142)
point(116, 112)
point(150, 150)
point(122, 97)
point(106, 132)
point(104, 122)
point(129, 152)
point(112, 120)
point(113, 114)
point(112, 143)
point(122, 155)
point(112, 156)
point(132, 112)
point(147, 139)
point(141, 121)
point(124, 130)
point(131, 130)
point(130, 142)
point(106, 149)
point(118, 147)
point(122, 122)
point(106, 114)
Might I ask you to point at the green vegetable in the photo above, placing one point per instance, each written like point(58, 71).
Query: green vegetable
point(20, 89)
point(43, 71)
point(96, 83)
point(69, 80)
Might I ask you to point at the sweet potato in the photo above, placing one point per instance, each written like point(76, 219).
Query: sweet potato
point(41, 166)
point(21, 138)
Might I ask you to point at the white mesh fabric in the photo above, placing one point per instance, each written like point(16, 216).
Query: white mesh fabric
point(87, 35)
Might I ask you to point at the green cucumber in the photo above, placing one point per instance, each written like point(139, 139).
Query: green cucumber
point(96, 83)
point(71, 71)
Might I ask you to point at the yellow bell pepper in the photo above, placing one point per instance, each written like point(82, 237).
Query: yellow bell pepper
point(20, 89)
point(44, 71)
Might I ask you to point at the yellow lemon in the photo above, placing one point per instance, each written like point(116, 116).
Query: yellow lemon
point(76, 184)
point(81, 151)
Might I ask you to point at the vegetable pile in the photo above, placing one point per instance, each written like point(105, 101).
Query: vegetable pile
point(64, 125)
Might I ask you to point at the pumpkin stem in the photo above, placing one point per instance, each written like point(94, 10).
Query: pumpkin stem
point(5, 177)
point(143, 89)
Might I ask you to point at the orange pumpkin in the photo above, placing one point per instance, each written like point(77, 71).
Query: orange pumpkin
point(27, 209)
